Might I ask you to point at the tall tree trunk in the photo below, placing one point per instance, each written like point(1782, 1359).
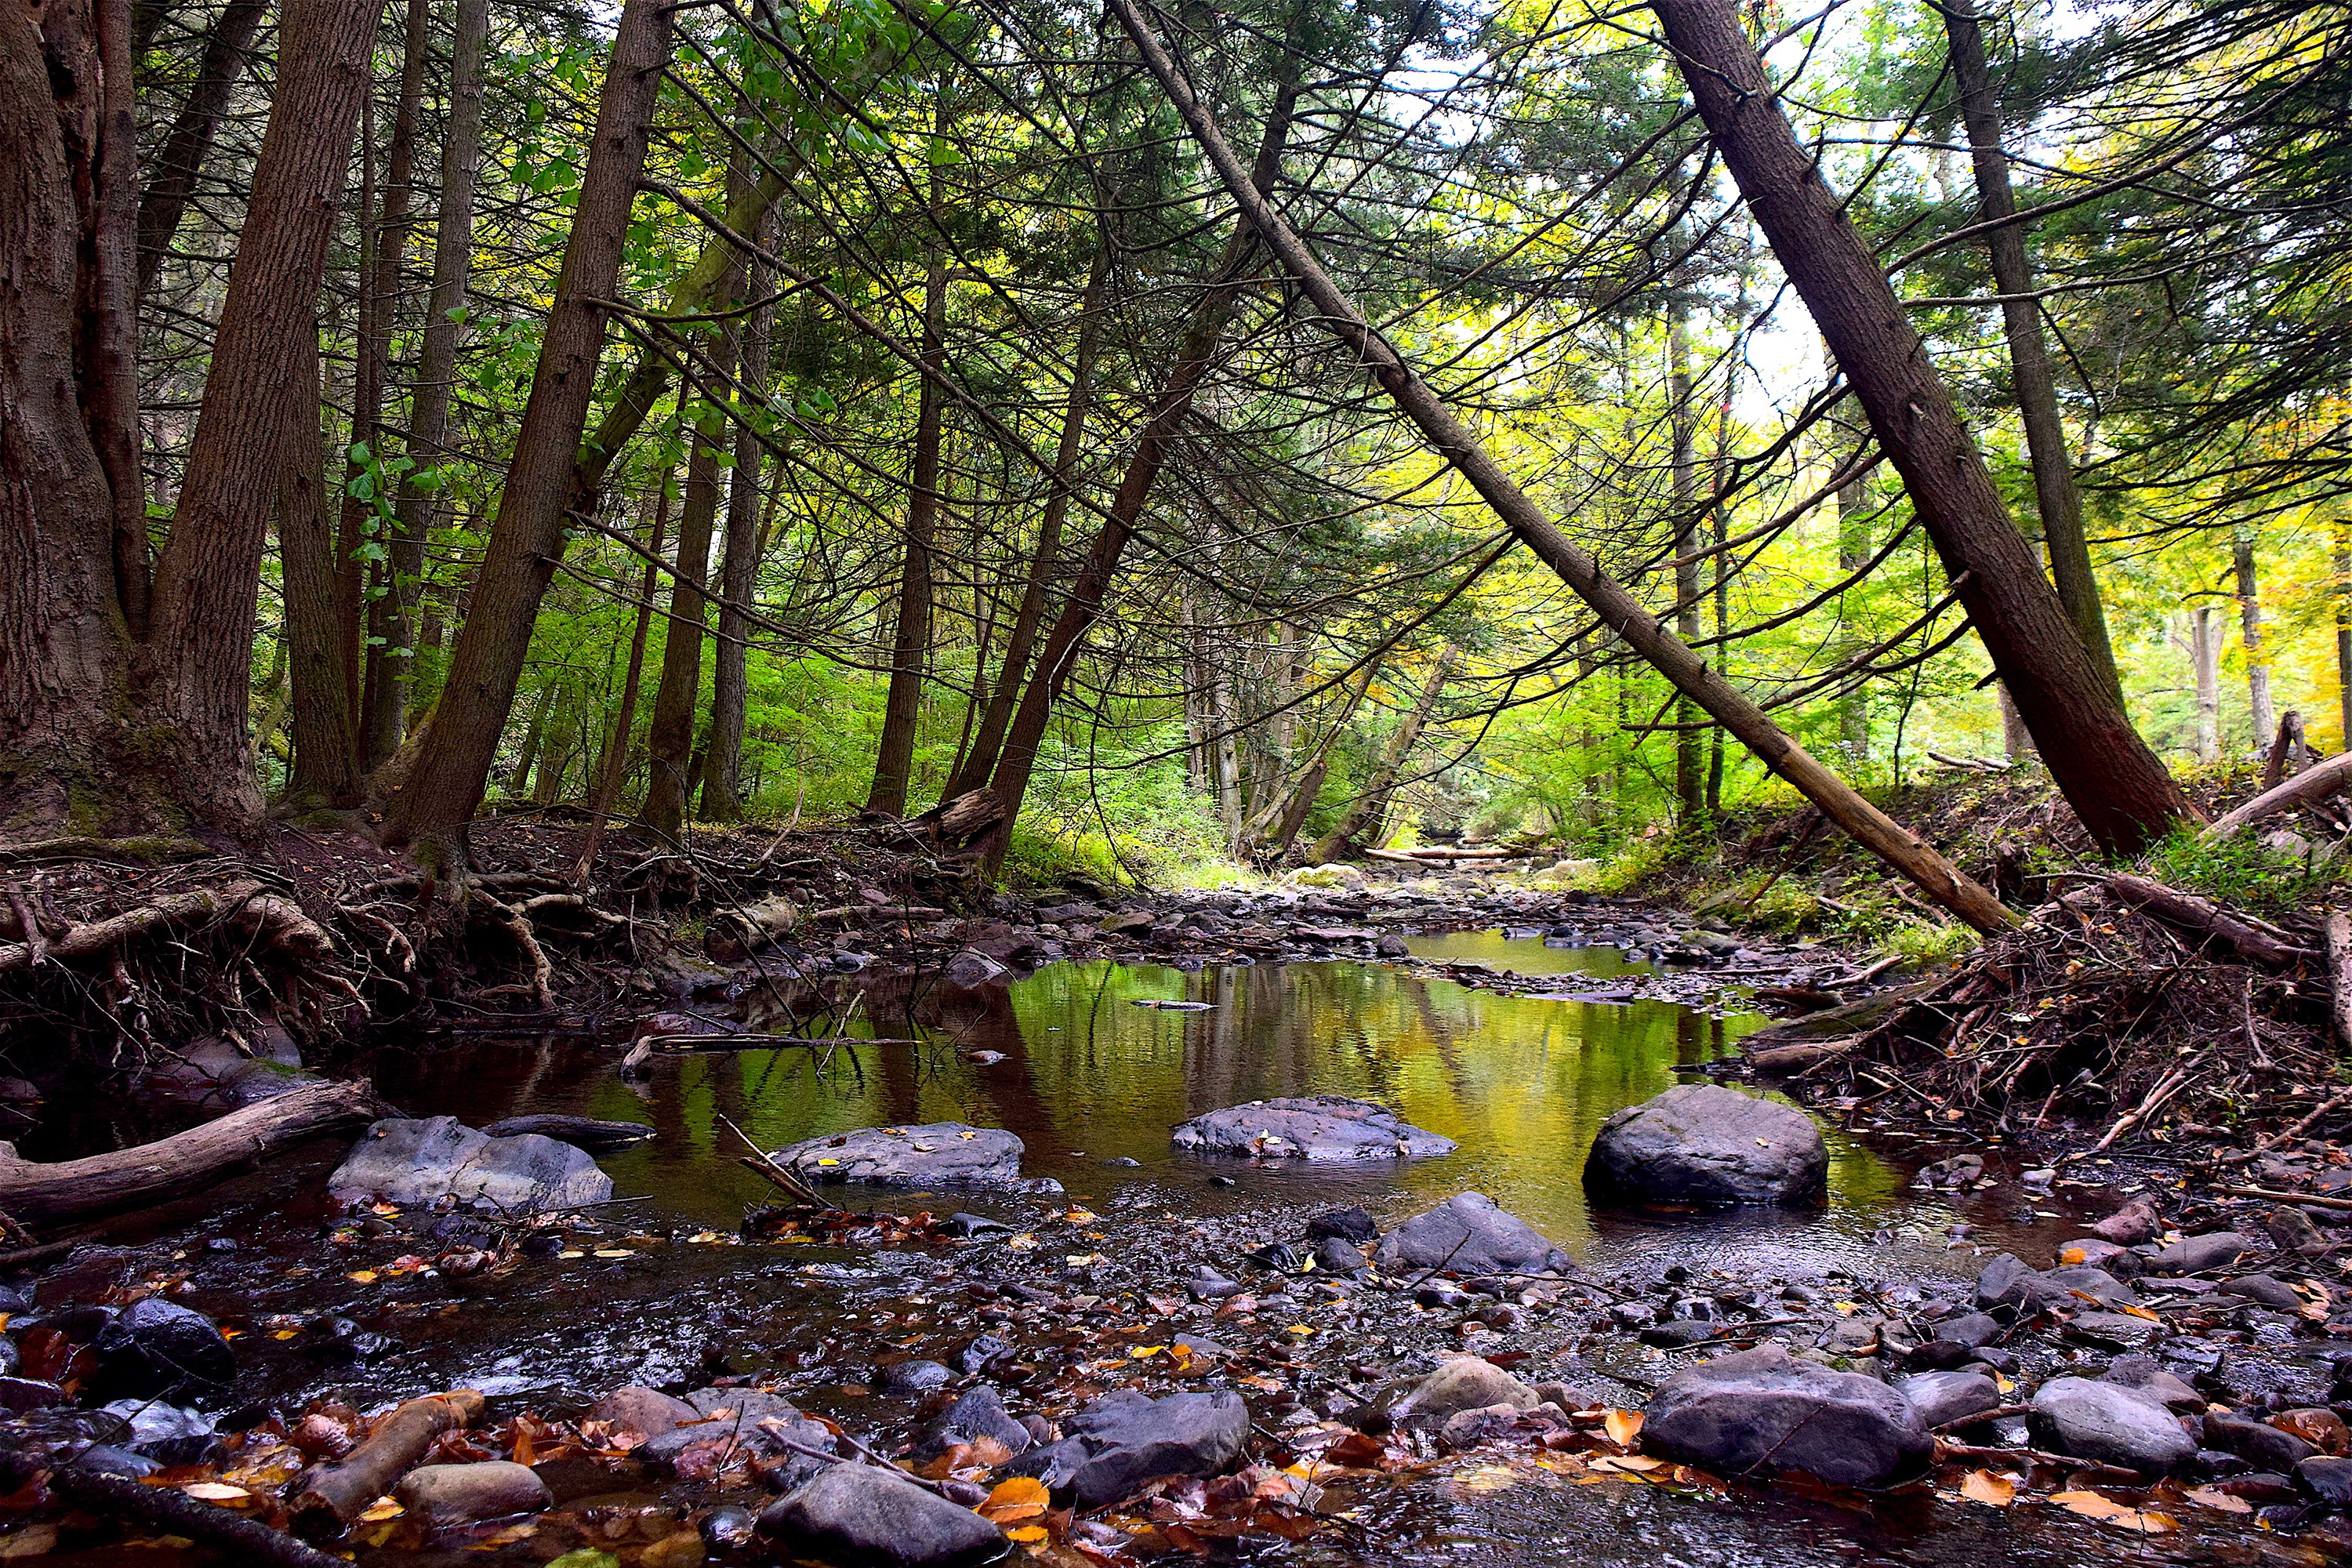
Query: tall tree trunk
point(437, 364)
point(65, 648)
point(2343, 540)
point(190, 140)
point(2016, 743)
point(199, 649)
point(1362, 822)
point(910, 647)
point(979, 761)
point(528, 538)
point(324, 772)
point(383, 694)
point(730, 676)
point(2054, 493)
point(2205, 661)
point(670, 744)
point(1211, 314)
point(616, 751)
point(1690, 785)
point(1853, 553)
point(2249, 630)
point(2115, 784)
point(1619, 609)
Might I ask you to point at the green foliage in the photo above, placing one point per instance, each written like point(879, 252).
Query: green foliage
point(2241, 869)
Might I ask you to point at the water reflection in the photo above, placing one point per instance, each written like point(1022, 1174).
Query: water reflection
point(1085, 1075)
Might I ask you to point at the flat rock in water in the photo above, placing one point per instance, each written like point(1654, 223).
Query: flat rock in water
point(2111, 1423)
point(414, 1162)
point(1131, 1438)
point(1706, 1144)
point(864, 1516)
point(1313, 1127)
point(1765, 1409)
point(937, 1154)
point(1468, 1235)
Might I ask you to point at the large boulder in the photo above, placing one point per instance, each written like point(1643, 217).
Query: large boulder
point(864, 1516)
point(1313, 1127)
point(1703, 1144)
point(1468, 1235)
point(937, 1154)
point(404, 1162)
point(2111, 1423)
point(1764, 1409)
point(1131, 1438)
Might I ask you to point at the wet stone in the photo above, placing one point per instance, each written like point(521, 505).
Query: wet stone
point(2326, 1479)
point(864, 1516)
point(644, 1410)
point(156, 1350)
point(1133, 1438)
point(413, 1162)
point(1467, 1234)
point(1348, 1225)
point(1945, 1397)
point(456, 1494)
point(980, 1412)
point(2129, 1226)
point(2257, 1442)
point(1313, 1127)
point(2144, 1374)
point(1463, 1382)
point(2110, 1423)
point(2196, 1254)
point(2265, 1290)
point(1765, 1408)
point(937, 1154)
point(915, 1376)
point(1707, 1144)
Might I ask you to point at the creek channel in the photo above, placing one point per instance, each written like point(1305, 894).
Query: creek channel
point(658, 1291)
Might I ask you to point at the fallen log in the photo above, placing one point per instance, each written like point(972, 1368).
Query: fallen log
point(2315, 784)
point(2204, 918)
point(169, 1511)
point(70, 1190)
point(2339, 973)
point(325, 1498)
point(1788, 1058)
point(878, 911)
point(582, 1131)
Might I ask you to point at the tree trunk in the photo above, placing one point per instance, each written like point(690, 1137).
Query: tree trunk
point(437, 364)
point(2016, 744)
point(199, 650)
point(894, 755)
point(185, 146)
point(65, 648)
point(325, 772)
point(382, 695)
point(2115, 784)
point(2205, 657)
point(2054, 493)
point(979, 761)
point(617, 753)
point(730, 677)
point(528, 538)
point(1210, 314)
point(1619, 609)
point(2343, 595)
point(2249, 631)
point(1690, 786)
point(1362, 823)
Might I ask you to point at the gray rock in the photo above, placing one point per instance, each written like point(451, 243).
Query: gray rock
point(2007, 1282)
point(2110, 1423)
point(2327, 1479)
point(980, 1412)
point(1349, 1225)
point(2118, 1329)
point(1943, 1397)
point(1463, 1382)
point(581, 1131)
point(2129, 1226)
point(1056, 1464)
point(2266, 1289)
point(938, 1155)
point(1314, 1127)
point(1336, 1256)
point(405, 1161)
point(1764, 1409)
point(2145, 1375)
point(156, 1350)
point(1707, 1144)
point(461, 1494)
point(1133, 1440)
point(2090, 1252)
point(915, 1376)
point(864, 1516)
point(1468, 1235)
point(2259, 1443)
point(2195, 1254)
point(644, 1410)
point(1974, 1330)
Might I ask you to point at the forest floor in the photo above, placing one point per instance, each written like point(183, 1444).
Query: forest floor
point(2142, 1104)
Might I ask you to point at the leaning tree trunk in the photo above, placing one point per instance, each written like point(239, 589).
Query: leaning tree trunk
point(2123, 794)
point(1618, 609)
point(1361, 824)
point(188, 142)
point(199, 648)
point(436, 363)
point(441, 792)
point(1210, 314)
point(2055, 496)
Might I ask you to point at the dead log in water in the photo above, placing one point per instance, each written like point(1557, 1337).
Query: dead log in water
point(325, 1498)
point(38, 1195)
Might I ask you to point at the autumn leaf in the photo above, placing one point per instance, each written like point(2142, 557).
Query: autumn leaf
point(2206, 1498)
point(1622, 1425)
point(1027, 1533)
point(1023, 1497)
point(214, 1492)
point(2123, 1516)
point(1984, 1486)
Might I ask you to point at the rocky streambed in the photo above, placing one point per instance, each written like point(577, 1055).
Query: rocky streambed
point(1293, 1324)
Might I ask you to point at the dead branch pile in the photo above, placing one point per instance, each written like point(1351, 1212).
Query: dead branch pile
point(2122, 1004)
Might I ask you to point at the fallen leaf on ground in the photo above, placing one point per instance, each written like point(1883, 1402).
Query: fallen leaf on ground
point(1622, 1425)
point(2208, 1498)
point(2122, 1515)
point(1984, 1486)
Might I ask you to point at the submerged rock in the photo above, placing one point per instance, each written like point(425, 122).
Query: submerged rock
point(2111, 1423)
point(1468, 1235)
point(1131, 1438)
point(1706, 1144)
point(937, 1154)
point(863, 1516)
point(1312, 1127)
point(410, 1163)
point(1460, 1383)
point(1764, 1409)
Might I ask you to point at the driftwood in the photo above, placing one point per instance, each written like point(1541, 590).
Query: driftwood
point(169, 1511)
point(2204, 918)
point(583, 1131)
point(325, 1498)
point(1787, 1058)
point(70, 1190)
point(271, 919)
point(2315, 784)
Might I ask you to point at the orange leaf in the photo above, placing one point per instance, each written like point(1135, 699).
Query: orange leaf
point(1622, 1425)
point(1984, 1486)
point(1023, 1497)
point(2107, 1510)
